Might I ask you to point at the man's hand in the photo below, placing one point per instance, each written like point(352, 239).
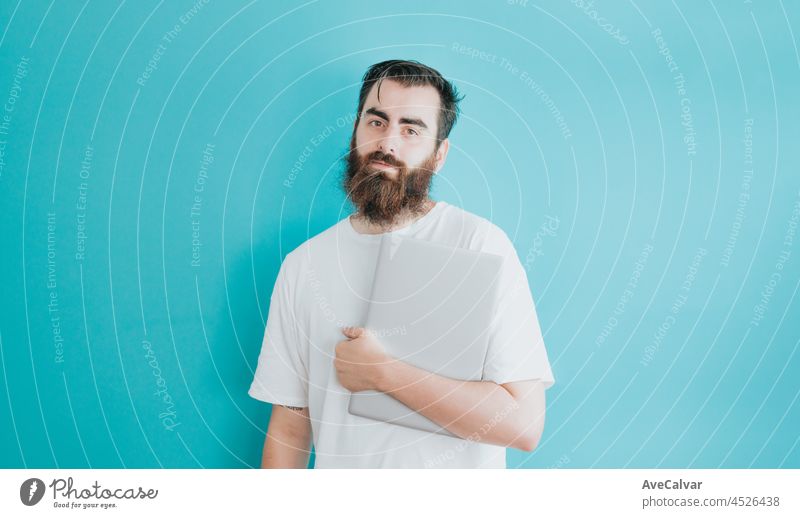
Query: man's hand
point(360, 360)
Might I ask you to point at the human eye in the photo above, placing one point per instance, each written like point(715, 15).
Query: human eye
point(376, 121)
point(412, 131)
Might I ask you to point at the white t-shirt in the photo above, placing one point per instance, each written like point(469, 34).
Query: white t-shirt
point(324, 284)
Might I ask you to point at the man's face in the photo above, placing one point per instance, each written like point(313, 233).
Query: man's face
point(393, 153)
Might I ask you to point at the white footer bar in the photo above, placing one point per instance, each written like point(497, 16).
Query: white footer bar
point(618, 493)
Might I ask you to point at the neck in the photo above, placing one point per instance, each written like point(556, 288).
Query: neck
point(363, 226)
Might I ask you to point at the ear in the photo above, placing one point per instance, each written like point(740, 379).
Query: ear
point(441, 154)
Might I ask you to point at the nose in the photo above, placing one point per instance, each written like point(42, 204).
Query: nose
point(388, 145)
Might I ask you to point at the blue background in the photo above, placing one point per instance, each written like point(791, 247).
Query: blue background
point(571, 112)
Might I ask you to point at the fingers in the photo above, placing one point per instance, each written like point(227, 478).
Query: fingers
point(352, 332)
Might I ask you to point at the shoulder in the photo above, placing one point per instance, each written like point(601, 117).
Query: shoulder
point(299, 261)
point(477, 232)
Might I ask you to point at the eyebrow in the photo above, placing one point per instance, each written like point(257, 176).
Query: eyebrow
point(403, 120)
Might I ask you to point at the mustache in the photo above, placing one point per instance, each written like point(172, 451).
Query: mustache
point(378, 156)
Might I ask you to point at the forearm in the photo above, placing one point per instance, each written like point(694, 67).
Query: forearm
point(288, 441)
point(280, 453)
point(476, 410)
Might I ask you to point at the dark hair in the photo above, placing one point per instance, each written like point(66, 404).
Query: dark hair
point(413, 73)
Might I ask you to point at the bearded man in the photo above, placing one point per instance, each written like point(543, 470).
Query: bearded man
point(315, 352)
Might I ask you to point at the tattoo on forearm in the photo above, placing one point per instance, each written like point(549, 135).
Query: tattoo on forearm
point(295, 408)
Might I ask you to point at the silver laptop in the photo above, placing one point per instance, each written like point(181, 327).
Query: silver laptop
point(431, 306)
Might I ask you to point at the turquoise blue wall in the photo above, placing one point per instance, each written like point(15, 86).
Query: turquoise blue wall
point(642, 156)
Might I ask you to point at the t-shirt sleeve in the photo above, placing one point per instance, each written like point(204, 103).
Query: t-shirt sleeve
point(281, 376)
point(516, 349)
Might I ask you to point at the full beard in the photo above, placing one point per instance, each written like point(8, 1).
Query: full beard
point(383, 200)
